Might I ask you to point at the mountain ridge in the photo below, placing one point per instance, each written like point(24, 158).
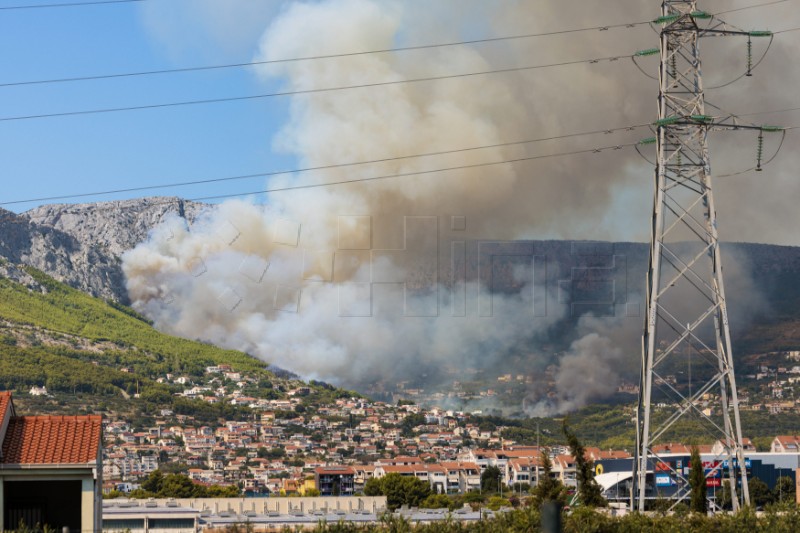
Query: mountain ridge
point(82, 244)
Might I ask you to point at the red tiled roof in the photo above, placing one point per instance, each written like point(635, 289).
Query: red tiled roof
point(5, 401)
point(334, 470)
point(52, 439)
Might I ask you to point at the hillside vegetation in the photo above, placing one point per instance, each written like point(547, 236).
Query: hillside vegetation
point(62, 309)
point(94, 355)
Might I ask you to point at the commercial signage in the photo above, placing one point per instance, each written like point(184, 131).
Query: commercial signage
point(663, 467)
point(747, 463)
point(712, 469)
point(663, 480)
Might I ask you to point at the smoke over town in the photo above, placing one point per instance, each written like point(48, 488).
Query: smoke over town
point(382, 280)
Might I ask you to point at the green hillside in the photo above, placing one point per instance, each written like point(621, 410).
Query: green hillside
point(96, 355)
point(63, 309)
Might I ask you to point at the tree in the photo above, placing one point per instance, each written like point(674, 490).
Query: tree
point(154, 482)
point(760, 494)
point(724, 495)
point(496, 502)
point(589, 492)
point(373, 487)
point(520, 488)
point(399, 490)
point(697, 482)
point(139, 494)
point(222, 491)
point(473, 497)
point(276, 453)
point(436, 501)
point(490, 479)
point(180, 486)
point(410, 422)
point(784, 491)
point(173, 468)
point(548, 489)
point(487, 426)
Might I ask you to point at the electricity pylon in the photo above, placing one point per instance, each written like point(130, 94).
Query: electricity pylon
point(687, 361)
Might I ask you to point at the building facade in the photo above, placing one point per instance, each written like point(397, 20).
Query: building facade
point(50, 470)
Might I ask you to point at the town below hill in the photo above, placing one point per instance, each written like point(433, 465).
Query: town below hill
point(225, 421)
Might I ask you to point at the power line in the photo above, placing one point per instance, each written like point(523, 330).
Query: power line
point(312, 91)
point(417, 173)
point(71, 4)
point(773, 111)
point(358, 163)
point(595, 150)
point(765, 4)
point(107, 2)
point(327, 56)
point(311, 58)
point(316, 168)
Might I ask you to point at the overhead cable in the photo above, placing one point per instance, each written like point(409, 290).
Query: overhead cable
point(316, 168)
point(69, 4)
point(310, 91)
point(765, 4)
point(357, 180)
point(315, 57)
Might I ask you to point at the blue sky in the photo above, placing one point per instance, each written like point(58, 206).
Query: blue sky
point(67, 155)
point(72, 155)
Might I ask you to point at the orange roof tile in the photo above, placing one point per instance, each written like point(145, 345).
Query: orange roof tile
point(402, 469)
point(456, 465)
point(52, 440)
point(525, 461)
point(5, 402)
point(334, 470)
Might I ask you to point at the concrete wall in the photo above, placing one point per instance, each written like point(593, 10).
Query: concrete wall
point(283, 505)
point(87, 503)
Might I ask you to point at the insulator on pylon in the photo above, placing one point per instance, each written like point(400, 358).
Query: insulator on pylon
point(760, 150)
point(749, 57)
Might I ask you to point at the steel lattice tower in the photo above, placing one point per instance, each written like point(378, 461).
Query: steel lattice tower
point(687, 362)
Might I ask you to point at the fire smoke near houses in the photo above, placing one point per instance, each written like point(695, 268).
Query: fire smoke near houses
point(407, 277)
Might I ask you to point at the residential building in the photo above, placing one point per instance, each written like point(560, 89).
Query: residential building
point(50, 470)
point(335, 480)
point(785, 444)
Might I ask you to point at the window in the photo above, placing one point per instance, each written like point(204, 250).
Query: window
point(171, 523)
point(121, 524)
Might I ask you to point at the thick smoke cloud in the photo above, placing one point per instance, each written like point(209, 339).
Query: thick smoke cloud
point(284, 282)
point(232, 281)
point(587, 372)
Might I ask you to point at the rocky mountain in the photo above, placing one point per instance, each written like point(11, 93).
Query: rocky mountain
point(81, 244)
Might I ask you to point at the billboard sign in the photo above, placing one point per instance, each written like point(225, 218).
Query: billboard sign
point(664, 480)
point(709, 469)
point(663, 466)
point(747, 463)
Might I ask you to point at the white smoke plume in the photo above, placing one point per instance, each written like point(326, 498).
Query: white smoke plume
point(588, 371)
point(233, 280)
point(314, 282)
